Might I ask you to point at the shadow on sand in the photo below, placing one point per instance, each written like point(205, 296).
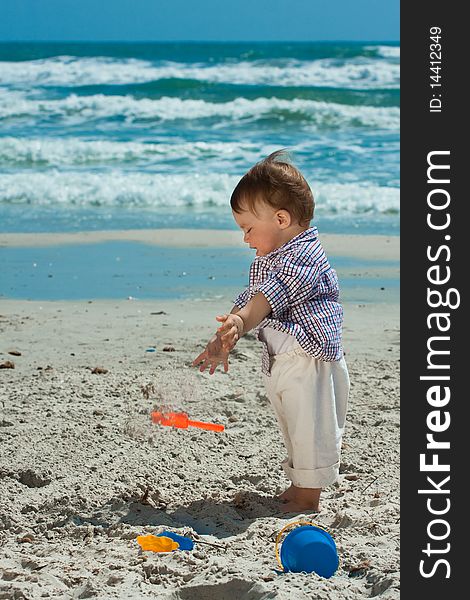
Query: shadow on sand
point(205, 517)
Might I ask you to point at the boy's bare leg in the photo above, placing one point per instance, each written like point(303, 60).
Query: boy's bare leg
point(302, 499)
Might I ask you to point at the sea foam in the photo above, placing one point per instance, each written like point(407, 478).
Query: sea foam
point(70, 71)
point(76, 109)
point(157, 190)
point(70, 152)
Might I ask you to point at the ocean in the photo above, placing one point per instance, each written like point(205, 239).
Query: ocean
point(156, 135)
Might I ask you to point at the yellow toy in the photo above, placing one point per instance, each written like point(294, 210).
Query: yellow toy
point(157, 543)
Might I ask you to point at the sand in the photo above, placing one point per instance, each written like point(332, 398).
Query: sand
point(370, 246)
point(83, 471)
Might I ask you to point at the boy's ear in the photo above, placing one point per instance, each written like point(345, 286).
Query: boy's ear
point(283, 218)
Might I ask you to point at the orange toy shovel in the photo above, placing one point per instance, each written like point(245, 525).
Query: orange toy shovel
point(182, 421)
point(157, 543)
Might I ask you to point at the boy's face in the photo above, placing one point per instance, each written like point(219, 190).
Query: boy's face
point(263, 231)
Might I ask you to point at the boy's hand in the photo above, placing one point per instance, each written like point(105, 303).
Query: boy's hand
point(213, 356)
point(230, 331)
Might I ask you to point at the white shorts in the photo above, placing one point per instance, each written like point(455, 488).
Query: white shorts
point(310, 398)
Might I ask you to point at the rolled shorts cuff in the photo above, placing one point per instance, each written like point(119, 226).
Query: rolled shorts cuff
point(311, 478)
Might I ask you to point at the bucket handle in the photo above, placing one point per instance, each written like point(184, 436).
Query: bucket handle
point(282, 531)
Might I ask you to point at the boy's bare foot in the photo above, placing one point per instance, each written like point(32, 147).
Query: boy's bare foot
point(298, 507)
point(302, 499)
point(287, 495)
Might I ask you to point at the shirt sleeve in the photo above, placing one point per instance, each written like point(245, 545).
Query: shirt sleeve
point(242, 299)
point(290, 284)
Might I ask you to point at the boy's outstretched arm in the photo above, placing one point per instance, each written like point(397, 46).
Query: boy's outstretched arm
point(212, 356)
point(243, 320)
point(234, 325)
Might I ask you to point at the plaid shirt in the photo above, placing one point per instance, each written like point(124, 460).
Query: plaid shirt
point(302, 289)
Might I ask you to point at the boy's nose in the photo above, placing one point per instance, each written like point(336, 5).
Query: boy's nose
point(245, 238)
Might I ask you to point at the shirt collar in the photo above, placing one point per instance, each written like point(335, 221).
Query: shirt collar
point(309, 235)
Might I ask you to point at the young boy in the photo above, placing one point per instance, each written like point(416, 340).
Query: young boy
point(292, 302)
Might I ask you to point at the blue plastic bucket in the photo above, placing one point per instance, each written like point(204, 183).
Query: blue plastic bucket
point(184, 542)
point(309, 549)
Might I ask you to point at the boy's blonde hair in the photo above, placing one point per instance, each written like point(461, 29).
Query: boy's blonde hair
point(279, 184)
